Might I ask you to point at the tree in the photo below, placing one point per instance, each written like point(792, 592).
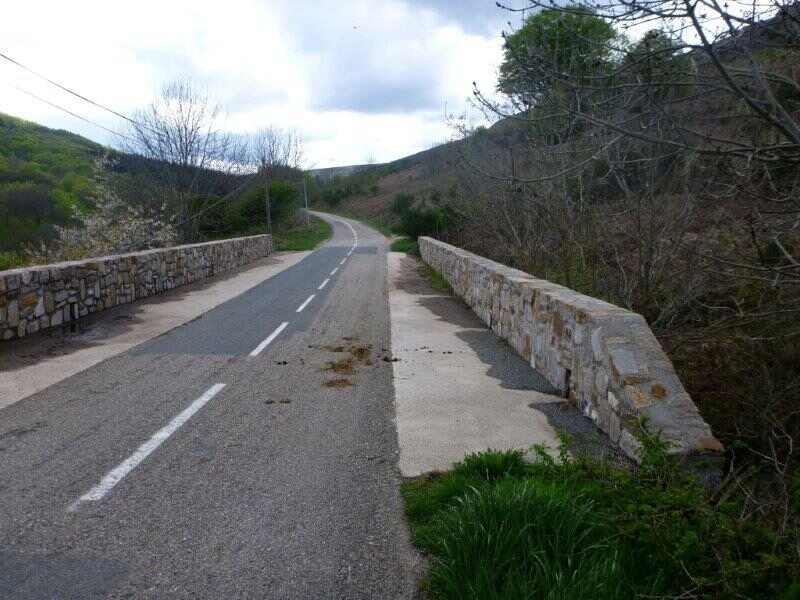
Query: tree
point(552, 42)
point(186, 154)
point(275, 151)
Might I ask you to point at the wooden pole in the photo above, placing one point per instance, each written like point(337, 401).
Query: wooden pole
point(266, 202)
point(305, 197)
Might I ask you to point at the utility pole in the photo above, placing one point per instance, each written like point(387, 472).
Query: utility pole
point(305, 197)
point(266, 202)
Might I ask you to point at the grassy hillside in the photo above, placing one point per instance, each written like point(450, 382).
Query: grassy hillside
point(47, 178)
point(438, 175)
point(63, 197)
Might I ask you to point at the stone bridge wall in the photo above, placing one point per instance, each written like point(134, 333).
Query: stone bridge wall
point(603, 357)
point(39, 297)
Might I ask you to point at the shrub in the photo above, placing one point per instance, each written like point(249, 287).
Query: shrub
point(416, 222)
point(402, 203)
point(405, 245)
point(497, 527)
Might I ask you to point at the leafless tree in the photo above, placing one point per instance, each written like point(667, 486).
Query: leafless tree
point(274, 150)
point(692, 118)
point(184, 151)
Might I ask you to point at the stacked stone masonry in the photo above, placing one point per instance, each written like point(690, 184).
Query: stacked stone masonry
point(603, 357)
point(35, 298)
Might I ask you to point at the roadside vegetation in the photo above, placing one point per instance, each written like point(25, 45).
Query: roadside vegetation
point(405, 245)
point(46, 181)
point(297, 235)
point(658, 171)
point(497, 527)
point(177, 178)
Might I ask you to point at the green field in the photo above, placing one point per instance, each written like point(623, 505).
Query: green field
point(299, 236)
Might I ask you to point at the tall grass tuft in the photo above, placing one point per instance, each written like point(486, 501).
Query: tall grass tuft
point(497, 527)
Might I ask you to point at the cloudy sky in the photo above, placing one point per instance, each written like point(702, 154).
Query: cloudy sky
point(358, 79)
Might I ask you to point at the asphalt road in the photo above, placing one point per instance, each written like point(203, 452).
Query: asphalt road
point(221, 459)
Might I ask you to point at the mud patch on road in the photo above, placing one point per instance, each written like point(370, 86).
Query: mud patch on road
point(360, 355)
point(341, 367)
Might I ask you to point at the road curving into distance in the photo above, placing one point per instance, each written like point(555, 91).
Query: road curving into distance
point(251, 452)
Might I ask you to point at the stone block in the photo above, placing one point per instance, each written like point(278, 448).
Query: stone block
point(40, 309)
point(629, 366)
point(28, 300)
point(13, 313)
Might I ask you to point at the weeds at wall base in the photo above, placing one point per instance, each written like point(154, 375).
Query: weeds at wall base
point(498, 527)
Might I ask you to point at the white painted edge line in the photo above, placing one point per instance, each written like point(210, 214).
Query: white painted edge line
point(353, 231)
point(323, 284)
point(306, 303)
point(349, 253)
point(260, 348)
point(334, 271)
point(116, 475)
point(344, 260)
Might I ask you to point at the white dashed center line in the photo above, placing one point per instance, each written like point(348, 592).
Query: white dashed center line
point(323, 284)
point(116, 475)
point(334, 271)
point(344, 260)
point(306, 303)
point(260, 348)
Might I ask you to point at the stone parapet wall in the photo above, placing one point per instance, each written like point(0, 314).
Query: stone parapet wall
point(35, 298)
point(603, 357)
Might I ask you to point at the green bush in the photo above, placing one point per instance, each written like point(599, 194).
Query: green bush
point(46, 178)
point(406, 245)
point(402, 202)
point(9, 260)
point(416, 222)
point(247, 214)
point(578, 528)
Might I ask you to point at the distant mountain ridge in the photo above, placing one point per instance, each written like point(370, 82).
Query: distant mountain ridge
point(328, 173)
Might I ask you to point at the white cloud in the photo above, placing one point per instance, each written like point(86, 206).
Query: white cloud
point(357, 79)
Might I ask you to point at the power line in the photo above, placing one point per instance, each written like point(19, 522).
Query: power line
point(74, 93)
point(69, 112)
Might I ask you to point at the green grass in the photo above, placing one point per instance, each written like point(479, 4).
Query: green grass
point(9, 260)
point(406, 245)
point(496, 527)
point(299, 237)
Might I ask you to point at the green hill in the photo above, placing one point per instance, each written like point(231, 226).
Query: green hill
point(47, 178)
point(63, 197)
